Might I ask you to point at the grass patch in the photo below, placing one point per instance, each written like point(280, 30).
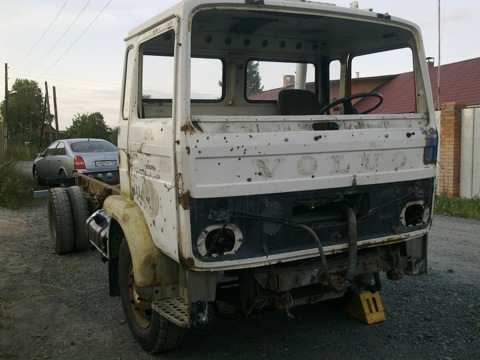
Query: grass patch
point(459, 207)
point(20, 152)
point(16, 188)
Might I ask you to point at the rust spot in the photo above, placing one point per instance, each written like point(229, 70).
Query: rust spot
point(188, 129)
point(249, 179)
point(189, 262)
point(188, 150)
point(185, 199)
point(177, 142)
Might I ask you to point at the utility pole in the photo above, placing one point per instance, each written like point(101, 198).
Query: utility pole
point(47, 100)
point(56, 112)
point(3, 150)
point(42, 123)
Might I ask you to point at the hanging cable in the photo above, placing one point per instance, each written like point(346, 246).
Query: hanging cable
point(60, 38)
point(43, 35)
point(78, 38)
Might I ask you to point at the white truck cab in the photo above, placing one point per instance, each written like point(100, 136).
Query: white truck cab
point(260, 163)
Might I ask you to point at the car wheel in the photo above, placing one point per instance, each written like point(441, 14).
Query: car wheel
point(80, 213)
point(38, 179)
point(60, 220)
point(151, 330)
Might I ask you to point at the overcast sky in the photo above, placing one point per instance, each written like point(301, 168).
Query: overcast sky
point(77, 45)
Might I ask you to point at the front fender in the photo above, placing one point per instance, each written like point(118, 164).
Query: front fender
point(136, 231)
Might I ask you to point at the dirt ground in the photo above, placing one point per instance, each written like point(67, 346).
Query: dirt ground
point(57, 307)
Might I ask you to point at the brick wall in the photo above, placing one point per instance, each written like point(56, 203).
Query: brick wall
point(450, 148)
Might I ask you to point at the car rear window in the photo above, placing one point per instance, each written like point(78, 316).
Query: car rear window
point(92, 147)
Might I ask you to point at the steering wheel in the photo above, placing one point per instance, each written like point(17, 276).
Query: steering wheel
point(348, 105)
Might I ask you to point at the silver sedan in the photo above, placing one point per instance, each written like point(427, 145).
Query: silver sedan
point(94, 157)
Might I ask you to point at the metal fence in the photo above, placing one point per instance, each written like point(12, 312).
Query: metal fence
point(470, 154)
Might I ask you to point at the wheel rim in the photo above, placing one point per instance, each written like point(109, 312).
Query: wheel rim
point(140, 304)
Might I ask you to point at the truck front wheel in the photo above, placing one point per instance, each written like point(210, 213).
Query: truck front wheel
point(152, 331)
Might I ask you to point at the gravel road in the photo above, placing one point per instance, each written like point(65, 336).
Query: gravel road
point(57, 307)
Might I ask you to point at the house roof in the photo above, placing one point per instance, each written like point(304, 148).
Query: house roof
point(459, 82)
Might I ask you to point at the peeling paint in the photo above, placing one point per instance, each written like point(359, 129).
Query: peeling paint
point(150, 198)
point(184, 199)
point(188, 129)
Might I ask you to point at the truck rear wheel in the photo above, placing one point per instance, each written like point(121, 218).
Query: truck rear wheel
point(80, 213)
point(152, 331)
point(60, 220)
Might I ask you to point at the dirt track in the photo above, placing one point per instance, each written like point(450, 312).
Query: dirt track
point(57, 307)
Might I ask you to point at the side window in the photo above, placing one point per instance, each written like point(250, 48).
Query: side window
point(127, 90)
point(51, 149)
point(60, 150)
point(264, 79)
point(156, 80)
point(158, 77)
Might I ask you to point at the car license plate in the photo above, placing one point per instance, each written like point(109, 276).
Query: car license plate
point(106, 163)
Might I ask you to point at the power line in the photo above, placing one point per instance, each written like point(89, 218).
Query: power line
point(61, 37)
point(78, 38)
point(44, 33)
point(20, 73)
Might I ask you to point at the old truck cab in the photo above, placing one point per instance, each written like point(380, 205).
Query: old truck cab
point(268, 159)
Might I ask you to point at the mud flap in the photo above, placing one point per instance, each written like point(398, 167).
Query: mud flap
point(366, 307)
point(417, 251)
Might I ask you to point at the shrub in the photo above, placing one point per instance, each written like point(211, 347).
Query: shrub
point(16, 187)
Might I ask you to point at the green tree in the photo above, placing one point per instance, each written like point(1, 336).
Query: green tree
point(114, 136)
point(254, 80)
point(25, 110)
point(88, 126)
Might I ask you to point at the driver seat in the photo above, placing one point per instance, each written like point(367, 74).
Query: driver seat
point(298, 102)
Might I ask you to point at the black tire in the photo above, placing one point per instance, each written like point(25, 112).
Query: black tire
point(38, 179)
point(80, 213)
point(60, 221)
point(152, 331)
